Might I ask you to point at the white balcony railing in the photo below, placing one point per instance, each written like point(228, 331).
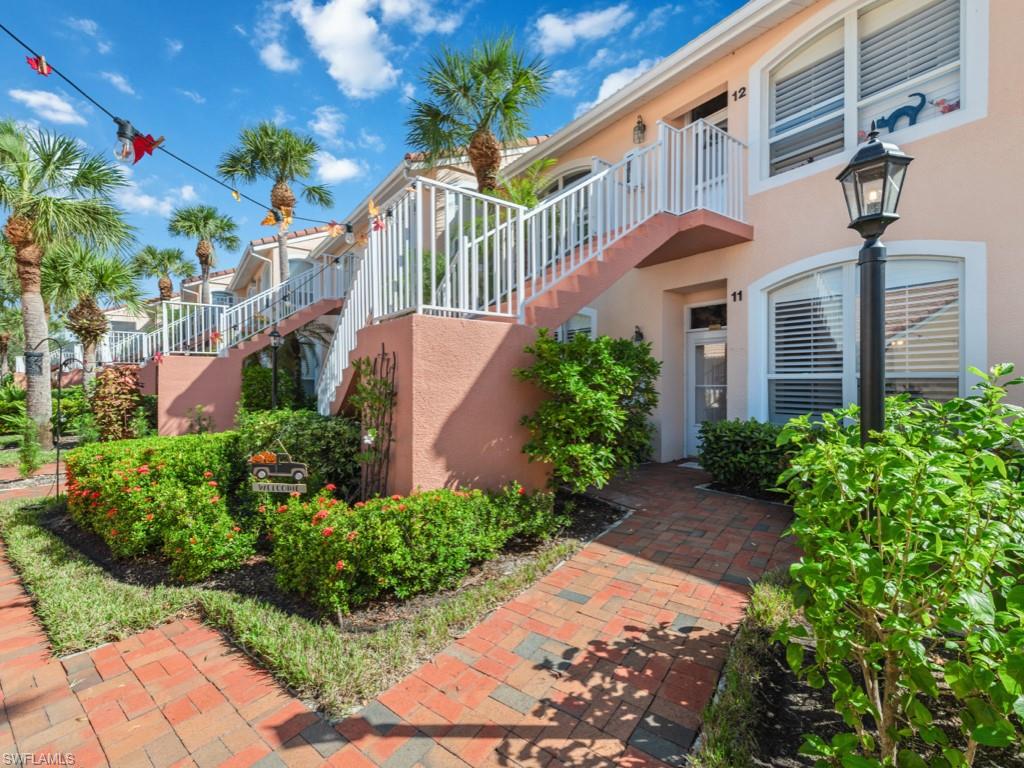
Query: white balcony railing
point(444, 250)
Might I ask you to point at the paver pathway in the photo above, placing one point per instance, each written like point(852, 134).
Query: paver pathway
point(606, 661)
point(9, 479)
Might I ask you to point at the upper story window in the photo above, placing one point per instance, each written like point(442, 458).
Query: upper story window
point(223, 298)
point(898, 63)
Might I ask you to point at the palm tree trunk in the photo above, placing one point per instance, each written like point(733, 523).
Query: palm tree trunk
point(88, 363)
point(39, 402)
point(485, 156)
point(282, 257)
point(204, 292)
point(5, 346)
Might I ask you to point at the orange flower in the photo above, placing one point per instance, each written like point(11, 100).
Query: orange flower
point(207, 474)
point(327, 531)
point(330, 487)
point(522, 491)
point(396, 497)
point(262, 508)
point(113, 533)
point(192, 540)
point(283, 508)
point(149, 516)
point(214, 499)
point(359, 504)
point(212, 483)
point(235, 528)
point(340, 565)
point(294, 494)
point(352, 535)
point(402, 507)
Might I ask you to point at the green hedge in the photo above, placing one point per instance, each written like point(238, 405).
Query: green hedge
point(742, 455)
point(169, 494)
point(256, 388)
point(341, 556)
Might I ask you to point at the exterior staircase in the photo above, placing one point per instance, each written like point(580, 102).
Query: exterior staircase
point(449, 252)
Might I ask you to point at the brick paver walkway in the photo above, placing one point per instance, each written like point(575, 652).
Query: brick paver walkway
point(606, 661)
point(9, 477)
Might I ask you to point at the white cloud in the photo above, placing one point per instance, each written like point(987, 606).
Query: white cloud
point(331, 169)
point(556, 33)
point(134, 200)
point(119, 82)
point(327, 123)
point(275, 57)
point(408, 92)
point(174, 47)
point(655, 20)
point(240, 30)
point(606, 57)
point(344, 35)
point(420, 15)
point(565, 82)
point(196, 97)
point(89, 28)
point(280, 116)
point(615, 82)
point(370, 141)
point(48, 106)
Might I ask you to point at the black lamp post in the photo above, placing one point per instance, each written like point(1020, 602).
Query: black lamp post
point(276, 340)
point(872, 183)
point(61, 363)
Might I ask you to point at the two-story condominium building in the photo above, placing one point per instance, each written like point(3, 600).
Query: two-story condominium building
point(698, 209)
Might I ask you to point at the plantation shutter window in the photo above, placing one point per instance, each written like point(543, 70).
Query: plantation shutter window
point(810, 368)
point(584, 323)
point(896, 63)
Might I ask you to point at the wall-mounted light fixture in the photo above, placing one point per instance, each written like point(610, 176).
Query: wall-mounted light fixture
point(638, 335)
point(639, 130)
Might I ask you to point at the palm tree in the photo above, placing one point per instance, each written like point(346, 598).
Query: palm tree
point(82, 282)
point(283, 157)
point(478, 101)
point(163, 264)
point(210, 227)
point(52, 189)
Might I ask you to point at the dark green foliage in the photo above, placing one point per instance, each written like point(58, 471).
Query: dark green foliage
point(73, 404)
point(327, 444)
point(596, 418)
point(912, 576)
point(256, 388)
point(341, 556)
point(742, 455)
point(30, 454)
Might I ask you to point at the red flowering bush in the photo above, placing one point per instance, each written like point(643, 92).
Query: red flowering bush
point(341, 556)
point(160, 494)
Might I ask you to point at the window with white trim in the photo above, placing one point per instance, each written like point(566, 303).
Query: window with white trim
point(812, 335)
point(906, 68)
point(223, 298)
point(584, 322)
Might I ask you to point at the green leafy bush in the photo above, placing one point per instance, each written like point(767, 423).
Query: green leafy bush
point(341, 556)
point(73, 404)
point(328, 445)
point(30, 454)
point(596, 418)
point(256, 388)
point(743, 455)
point(912, 576)
point(164, 493)
point(12, 407)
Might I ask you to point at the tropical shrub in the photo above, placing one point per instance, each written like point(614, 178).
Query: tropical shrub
point(164, 493)
point(114, 401)
point(341, 556)
point(256, 388)
point(328, 445)
point(12, 406)
point(73, 404)
point(30, 454)
point(912, 576)
point(743, 455)
point(596, 418)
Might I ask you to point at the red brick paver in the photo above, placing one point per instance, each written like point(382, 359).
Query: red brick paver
point(606, 661)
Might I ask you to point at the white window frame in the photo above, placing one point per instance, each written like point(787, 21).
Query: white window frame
point(562, 330)
point(973, 309)
point(974, 57)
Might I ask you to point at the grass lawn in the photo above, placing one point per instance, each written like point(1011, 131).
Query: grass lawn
point(9, 457)
point(81, 606)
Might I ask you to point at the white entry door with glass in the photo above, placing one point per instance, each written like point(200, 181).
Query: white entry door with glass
point(706, 383)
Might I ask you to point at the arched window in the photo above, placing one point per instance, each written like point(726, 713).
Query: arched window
point(898, 63)
point(813, 326)
point(564, 181)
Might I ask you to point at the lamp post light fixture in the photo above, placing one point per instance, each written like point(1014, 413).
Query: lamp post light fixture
point(639, 130)
point(872, 183)
point(276, 341)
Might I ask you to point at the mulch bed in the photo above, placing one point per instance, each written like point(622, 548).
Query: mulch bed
point(792, 708)
point(256, 578)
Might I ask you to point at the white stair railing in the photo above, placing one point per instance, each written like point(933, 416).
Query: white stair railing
point(355, 316)
point(190, 329)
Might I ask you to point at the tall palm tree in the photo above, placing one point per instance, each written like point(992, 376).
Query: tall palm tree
point(83, 282)
point(478, 101)
point(163, 264)
point(52, 189)
point(210, 227)
point(283, 157)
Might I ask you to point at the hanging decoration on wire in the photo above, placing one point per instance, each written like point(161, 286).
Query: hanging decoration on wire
point(132, 144)
point(38, 63)
point(234, 194)
point(375, 217)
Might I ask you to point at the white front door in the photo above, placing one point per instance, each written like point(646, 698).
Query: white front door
point(706, 389)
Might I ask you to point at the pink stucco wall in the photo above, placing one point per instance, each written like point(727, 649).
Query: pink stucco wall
point(458, 405)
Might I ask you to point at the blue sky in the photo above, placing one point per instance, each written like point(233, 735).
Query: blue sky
point(342, 70)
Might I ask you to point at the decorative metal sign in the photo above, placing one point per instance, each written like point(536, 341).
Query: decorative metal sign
point(277, 464)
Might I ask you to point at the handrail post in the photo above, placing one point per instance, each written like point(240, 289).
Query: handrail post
point(663, 150)
point(520, 266)
point(165, 336)
point(418, 219)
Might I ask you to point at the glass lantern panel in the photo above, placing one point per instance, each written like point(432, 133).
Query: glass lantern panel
point(850, 192)
point(894, 185)
point(871, 183)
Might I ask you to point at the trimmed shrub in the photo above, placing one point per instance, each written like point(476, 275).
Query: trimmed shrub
point(164, 493)
point(742, 455)
point(256, 387)
point(341, 556)
point(114, 401)
point(328, 445)
point(73, 404)
point(596, 418)
point(912, 577)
